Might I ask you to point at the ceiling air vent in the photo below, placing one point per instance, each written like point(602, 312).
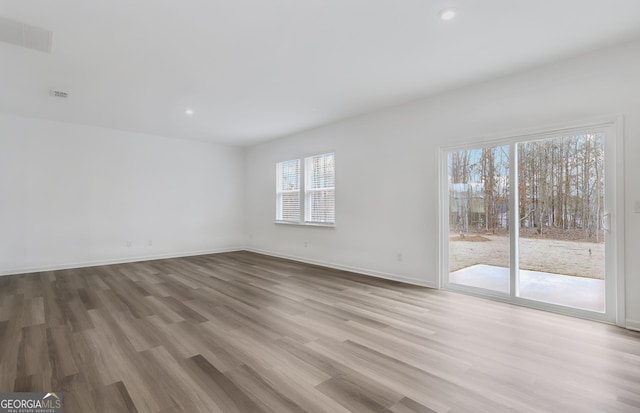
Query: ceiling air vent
point(24, 35)
point(59, 94)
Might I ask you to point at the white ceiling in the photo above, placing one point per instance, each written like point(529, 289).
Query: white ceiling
point(254, 70)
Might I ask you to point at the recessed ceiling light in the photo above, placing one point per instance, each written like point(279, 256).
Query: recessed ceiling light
point(447, 14)
point(188, 112)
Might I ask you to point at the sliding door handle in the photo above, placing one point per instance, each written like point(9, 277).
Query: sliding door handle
point(606, 222)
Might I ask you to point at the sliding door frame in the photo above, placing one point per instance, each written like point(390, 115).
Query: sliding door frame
point(612, 126)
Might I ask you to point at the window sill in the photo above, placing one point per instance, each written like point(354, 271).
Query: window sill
point(306, 224)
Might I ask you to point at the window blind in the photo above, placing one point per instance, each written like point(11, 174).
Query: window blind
point(288, 191)
point(320, 182)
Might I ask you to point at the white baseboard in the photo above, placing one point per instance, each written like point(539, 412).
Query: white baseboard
point(363, 271)
point(633, 325)
point(26, 270)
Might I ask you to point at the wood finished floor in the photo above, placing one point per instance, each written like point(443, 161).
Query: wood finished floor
point(242, 332)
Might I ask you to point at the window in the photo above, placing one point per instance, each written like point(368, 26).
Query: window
point(288, 191)
point(318, 190)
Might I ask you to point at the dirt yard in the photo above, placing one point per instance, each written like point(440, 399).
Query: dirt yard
point(546, 255)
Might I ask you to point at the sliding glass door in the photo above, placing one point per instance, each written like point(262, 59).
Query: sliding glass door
point(561, 209)
point(478, 193)
point(528, 220)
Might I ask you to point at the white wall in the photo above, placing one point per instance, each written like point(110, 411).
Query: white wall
point(73, 195)
point(387, 178)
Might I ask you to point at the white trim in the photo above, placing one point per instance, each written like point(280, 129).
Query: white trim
point(619, 225)
point(514, 222)
point(443, 224)
point(306, 224)
point(550, 131)
point(362, 271)
point(82, 264)
point(633, 325)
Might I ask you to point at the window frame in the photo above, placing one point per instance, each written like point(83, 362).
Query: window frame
point(308, 190)
point(281, 192)
point(303, 192)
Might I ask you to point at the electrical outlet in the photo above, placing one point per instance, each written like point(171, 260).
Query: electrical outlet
point(399, 256)
point(306, 244)
point(129, 243)
point(150, 243)
point(637, 207)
